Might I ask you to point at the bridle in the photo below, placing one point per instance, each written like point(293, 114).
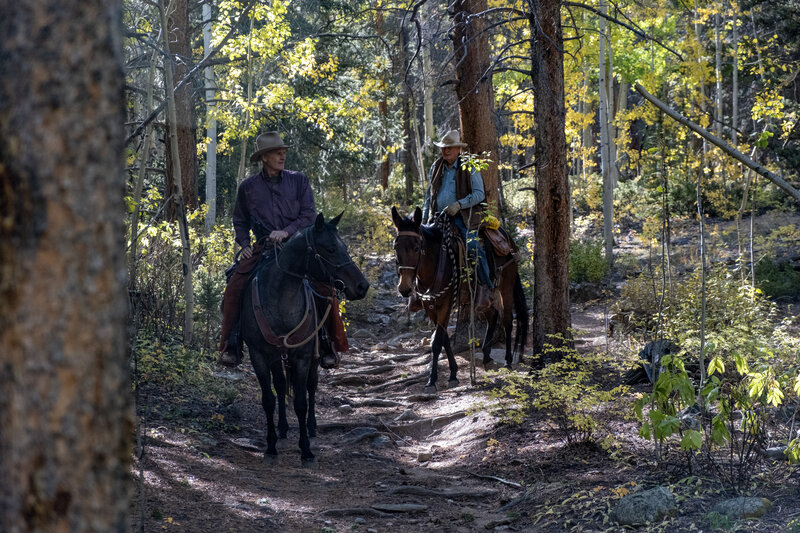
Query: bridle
point(434, 292)
point(400, 267)
point(326, 265)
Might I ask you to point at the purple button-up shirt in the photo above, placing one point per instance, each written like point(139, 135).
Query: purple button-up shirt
point(284, 205)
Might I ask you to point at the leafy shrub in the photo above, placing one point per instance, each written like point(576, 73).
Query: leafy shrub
point(778, 280)
point(563, 390)
point(752, 366)
point(587, 261)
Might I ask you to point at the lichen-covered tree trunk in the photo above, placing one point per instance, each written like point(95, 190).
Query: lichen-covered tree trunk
point(65, 409)
point(551, 315)
point(474, 89)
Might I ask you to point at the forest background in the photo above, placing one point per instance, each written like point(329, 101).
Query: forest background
point(360, 90)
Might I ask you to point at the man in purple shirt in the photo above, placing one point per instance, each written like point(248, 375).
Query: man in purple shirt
point(274, 203)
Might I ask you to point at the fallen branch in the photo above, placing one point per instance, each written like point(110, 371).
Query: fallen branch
point(724, 146)
point(444, 493)
point(498, 479)
point(367, 511)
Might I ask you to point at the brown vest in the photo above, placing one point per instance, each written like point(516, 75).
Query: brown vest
point(471, 216)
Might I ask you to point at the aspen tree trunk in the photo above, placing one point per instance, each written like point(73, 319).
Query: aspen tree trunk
point(66, 422)
point(605, 149)
point(427, 82)
point(735, 81)
point(383, 106)
point(137, 190)
point(242, 172)
point(188, 323)
point(427, 77)
point(551, 313)
point(718, 75)
point(408, 110)
point(211, 125)
point(476, 99)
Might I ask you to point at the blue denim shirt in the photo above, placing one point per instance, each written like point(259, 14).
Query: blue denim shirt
point(447, 192)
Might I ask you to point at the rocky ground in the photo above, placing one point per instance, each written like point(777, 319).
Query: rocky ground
point(391, 458)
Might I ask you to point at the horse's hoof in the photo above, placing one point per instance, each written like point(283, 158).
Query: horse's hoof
point(308, 462)
point(430, 389)
point(282, 435)
point(271, 458)
point(452, 383)
point(508, 367)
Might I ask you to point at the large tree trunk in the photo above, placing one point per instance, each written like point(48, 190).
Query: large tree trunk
point(476, 99)
point(65, 403)
point(551, 314)
point(181, 51)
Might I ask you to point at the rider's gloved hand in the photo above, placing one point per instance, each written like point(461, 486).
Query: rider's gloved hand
point(247, 251)
point(453, 208)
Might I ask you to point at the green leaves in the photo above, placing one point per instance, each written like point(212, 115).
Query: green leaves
point(692, 440)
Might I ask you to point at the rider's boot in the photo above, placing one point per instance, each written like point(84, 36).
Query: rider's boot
point(232, 355)
point(328, 356)
point(485, 298)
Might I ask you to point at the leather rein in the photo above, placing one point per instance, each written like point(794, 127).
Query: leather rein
point(307, 328)
point(431, 294)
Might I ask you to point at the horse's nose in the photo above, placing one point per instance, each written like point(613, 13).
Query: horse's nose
point(404, 292)
point(363, 287)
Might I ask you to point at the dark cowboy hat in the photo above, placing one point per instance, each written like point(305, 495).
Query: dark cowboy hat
point(265, 142)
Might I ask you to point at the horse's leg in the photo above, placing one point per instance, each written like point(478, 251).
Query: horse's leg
point(487, 347)
point(439, 334)
point(300, 370)
point(451, 361)
point(279, 382)
point(261, 367)
point(313, 380)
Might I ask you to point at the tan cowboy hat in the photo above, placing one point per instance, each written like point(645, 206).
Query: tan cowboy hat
point(451, 138)
point(265, 142)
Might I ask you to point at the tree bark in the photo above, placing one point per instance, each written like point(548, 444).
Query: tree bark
point(66, 422)
point(551, 314)
point(474, 89)
point(181, 51)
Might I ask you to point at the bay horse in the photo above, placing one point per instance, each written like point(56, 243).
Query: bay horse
point(279, 322)
point(426, 266)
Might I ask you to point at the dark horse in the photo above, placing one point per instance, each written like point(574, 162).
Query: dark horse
point(280, 322)
point(421, 259)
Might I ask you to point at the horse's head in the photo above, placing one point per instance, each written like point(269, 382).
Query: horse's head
point(407, 249)
point(333, 261)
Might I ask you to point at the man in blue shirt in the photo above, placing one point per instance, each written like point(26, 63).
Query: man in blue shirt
point(460, 193)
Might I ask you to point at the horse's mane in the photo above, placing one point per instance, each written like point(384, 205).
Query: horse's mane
point(431, 232)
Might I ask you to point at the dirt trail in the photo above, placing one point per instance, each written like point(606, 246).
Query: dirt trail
point(389, 457)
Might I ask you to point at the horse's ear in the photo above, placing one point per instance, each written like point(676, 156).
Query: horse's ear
point(320, 222)
point(396, 218)
point(335, 220)
point(417, 216)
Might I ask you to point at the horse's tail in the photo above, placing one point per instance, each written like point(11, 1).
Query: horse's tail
point(521, 310)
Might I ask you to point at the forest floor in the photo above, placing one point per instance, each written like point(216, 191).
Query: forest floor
point(391, 458)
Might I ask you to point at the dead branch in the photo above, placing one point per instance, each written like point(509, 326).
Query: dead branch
point(719, 143)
